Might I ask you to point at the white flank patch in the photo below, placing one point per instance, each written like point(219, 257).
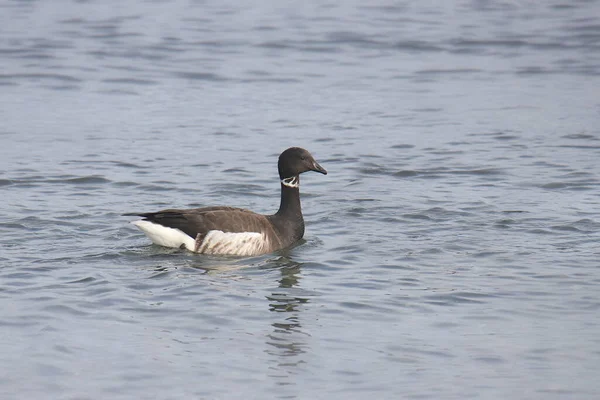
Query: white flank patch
point(233, 243)
point(215, 242)
point(164, 236)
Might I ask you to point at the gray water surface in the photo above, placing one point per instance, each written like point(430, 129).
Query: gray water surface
point(451, 253)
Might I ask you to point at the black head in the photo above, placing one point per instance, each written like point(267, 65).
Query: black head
point(295, 161)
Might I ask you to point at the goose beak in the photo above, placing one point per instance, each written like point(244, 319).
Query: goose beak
point(317, 168)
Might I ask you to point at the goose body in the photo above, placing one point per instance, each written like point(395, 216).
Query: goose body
point(225, 230)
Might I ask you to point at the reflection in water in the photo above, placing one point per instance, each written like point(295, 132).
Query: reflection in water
point(289, 276)
point(287, 341)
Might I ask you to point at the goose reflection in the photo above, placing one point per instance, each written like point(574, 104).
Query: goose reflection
point(287, 341)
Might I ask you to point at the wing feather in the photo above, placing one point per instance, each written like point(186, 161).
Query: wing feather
point(202, 220)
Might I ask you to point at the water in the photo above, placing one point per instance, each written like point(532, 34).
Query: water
point(451, 252)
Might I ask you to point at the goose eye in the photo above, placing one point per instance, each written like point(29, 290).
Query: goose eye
point(302, 158)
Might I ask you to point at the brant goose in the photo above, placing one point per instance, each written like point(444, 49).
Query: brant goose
point(235, 231)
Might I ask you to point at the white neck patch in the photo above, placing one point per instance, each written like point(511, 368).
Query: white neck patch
point(292, 182)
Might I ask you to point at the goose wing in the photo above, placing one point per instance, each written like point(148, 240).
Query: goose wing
point(202, 220)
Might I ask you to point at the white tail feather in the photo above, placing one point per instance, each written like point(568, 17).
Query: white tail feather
point(165, 236)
